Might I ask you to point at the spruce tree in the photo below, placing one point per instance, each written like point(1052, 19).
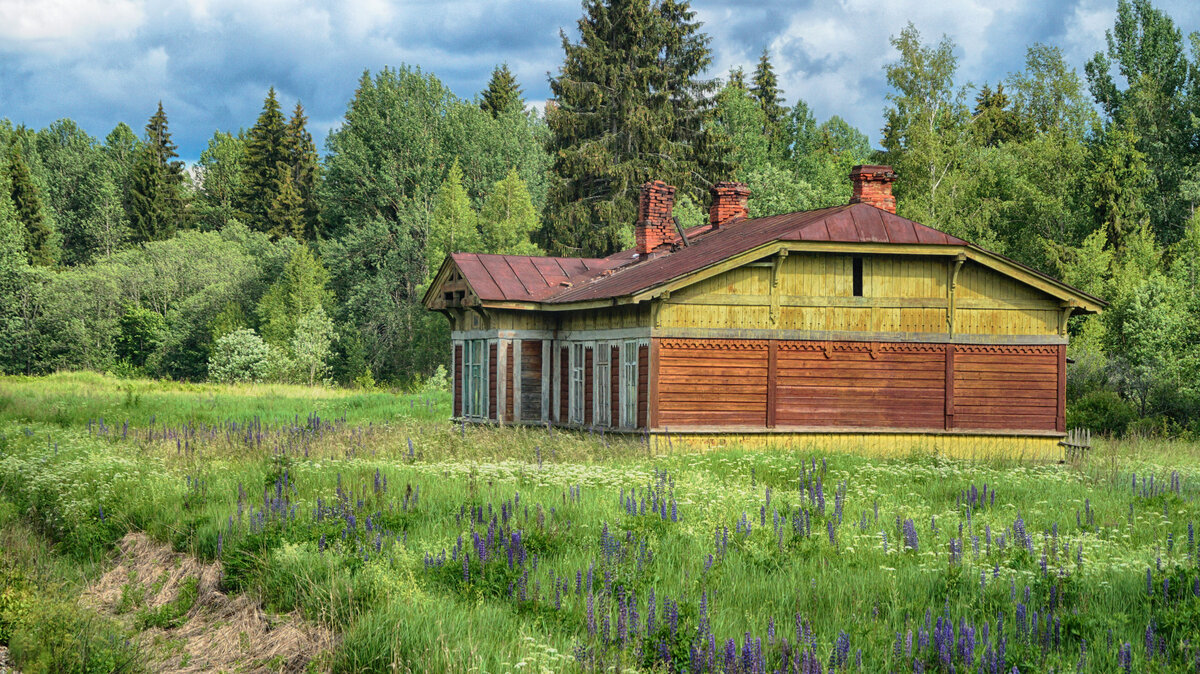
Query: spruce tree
point(285, 217)
point(502, 93)
point(628, 107)
point(155, 200)
point(264, 152)
point(995, 120)
point(304, 168)
point(766, 91)
point(27, 206)
point(737, 78)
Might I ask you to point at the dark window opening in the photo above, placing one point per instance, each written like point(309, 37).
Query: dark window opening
point(858, 279)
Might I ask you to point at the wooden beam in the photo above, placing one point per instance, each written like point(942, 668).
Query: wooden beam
point(652, 386)
point(776, 273)
point(949, 387)
point(772, 365)
point(1061, 417)
point(955, 267)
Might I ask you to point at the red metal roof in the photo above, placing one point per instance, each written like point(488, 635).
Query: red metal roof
point(525, 278)
point(558, 279)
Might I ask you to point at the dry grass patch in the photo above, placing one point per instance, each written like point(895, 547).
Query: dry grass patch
point(189, 625)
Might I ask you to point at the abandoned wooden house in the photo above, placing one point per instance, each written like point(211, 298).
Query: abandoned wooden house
point(847, 323)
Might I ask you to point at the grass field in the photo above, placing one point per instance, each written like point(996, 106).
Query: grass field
point(430, 547)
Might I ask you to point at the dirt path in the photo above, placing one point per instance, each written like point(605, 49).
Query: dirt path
point(200, 628)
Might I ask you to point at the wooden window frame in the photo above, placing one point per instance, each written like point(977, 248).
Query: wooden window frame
point(602, 384)
point(575, 392)
point(475, 378)
point(629, 383)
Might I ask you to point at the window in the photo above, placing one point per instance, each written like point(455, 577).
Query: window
point(475, 378)
point(577, 394)
point(603, 379)
point(858, 277)
point(629, 383)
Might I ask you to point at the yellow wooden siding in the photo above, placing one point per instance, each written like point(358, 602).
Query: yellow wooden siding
point(635, 316)
point(887, 445)
point(901, 294)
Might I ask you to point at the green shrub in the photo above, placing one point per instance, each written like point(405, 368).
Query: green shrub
point(239, 356)
point(1102, 412)
point(63, 638)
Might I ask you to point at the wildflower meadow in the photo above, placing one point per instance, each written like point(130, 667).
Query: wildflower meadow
point(428, 546)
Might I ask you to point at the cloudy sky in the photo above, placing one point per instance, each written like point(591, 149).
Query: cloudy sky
point(100, 62)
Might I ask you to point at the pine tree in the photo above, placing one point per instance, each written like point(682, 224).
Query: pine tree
point(304, 168)
point(27, 205)
point(508, 218)
point(285, 217)
point(502, 93)
point(454, 226)
point(766, 91)
point(264, 152)
point(628, 107)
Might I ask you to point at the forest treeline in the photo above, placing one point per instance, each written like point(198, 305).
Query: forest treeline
point(265, 260)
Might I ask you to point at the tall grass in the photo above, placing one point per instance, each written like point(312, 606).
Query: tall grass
point(353, 513)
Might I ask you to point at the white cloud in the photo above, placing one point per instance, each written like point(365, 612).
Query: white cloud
point(42, 25)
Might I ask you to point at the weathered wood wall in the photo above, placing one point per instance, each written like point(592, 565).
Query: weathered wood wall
point(860, 384)
point(531, 380)
point(900, 294)
point(807, 384)
point(493, 402)
point(712, 382)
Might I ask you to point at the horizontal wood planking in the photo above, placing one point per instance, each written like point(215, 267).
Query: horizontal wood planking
point(614, 390)
point(866, 387)
point(508, 387)
point(712, 381)
point(531, 380)
point(564, 373)
point(643, 386)
point(1015, 388)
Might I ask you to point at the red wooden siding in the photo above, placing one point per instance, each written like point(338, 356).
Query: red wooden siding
point(458, 380)
point(508, 384)
point(493, 403)
point(564, 373)
point(915, 386)
point(1006, 387)
point(859, 384)
point(614, 391)
point(712, 382)
point(643, 387)
point(531, 380)
point(588, 380)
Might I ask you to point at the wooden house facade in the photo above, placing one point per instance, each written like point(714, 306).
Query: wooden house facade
point(850, 321)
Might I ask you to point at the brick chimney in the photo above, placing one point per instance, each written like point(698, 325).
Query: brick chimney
point(728, 203)
point(655, 224)
point(873, 185)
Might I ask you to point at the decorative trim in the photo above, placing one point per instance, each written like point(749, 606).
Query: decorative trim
point(501, 334)
point(718, 344)
point(1015, 349)
point(854, 336)
point(598, 335)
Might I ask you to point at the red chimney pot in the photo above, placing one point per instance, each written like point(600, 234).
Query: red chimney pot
point(872, 184)
point(728, 203)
